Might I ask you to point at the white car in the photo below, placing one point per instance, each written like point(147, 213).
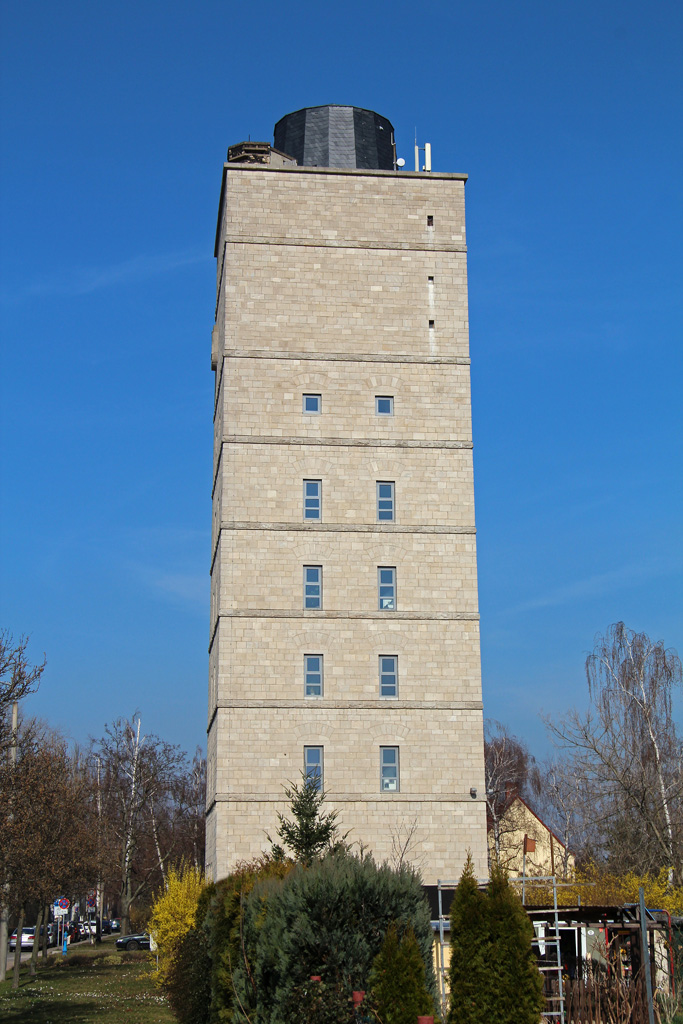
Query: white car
point(27, 935)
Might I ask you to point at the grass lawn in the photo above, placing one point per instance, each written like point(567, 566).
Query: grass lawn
point(88, 986)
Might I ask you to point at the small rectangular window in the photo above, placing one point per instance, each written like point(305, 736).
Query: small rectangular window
point(388, 675)
point(313, 675)
point(313, 586)
point(313, 404)
point(386, 581)
point(313, 765)
point(385, 501)
point(430, 220)
point(313, 499)
point(388, 769)
point(384, 405)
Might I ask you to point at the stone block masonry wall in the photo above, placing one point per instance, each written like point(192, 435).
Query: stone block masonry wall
point(347, 285)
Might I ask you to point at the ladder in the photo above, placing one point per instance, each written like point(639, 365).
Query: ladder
point(555, 1003)
point(555, 1010)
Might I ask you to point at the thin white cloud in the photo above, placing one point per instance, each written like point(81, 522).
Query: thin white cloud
point(192, 587)
point(189, 587)
point(75, 281)
point(598, 584)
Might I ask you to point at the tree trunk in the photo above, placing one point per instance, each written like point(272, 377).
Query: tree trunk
point(45, 935)
point(17, 951)
point(157, 847)
point(4, 938)
point(36, 942)
point(126, 897)
point(126, 900)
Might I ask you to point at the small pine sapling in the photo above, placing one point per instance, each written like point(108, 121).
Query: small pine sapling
point(313, 831)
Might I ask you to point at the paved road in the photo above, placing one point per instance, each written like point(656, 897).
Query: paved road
point(26, 954)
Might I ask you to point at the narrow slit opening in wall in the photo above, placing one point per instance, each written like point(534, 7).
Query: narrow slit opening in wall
point(431, 325)
point(430, 221)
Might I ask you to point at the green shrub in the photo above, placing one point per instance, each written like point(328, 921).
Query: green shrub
point(398, 990)
point(188, 980)
point(516, 982)
point(319, 1002)
point(328, 919)
point(188, 985)
point(223, 927)
point(493, 972)
point(470, 964)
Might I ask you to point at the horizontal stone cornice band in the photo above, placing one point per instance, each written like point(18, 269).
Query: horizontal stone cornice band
point(364, 704)
point(318, 615)
point(346, 357)
point(346, 243)
point(382, 528)
point(346, 172)
point(339, 442)
point(353, 798)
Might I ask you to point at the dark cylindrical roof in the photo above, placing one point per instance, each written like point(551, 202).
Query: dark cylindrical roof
point(336, 136)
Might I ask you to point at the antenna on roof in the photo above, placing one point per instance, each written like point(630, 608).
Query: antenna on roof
point(427, 150)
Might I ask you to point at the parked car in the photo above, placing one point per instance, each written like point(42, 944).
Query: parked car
point(27, 936)
point(106, 926)
point(130, 942)
point(116, 924)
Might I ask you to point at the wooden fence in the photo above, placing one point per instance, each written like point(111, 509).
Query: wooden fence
point(606, 999)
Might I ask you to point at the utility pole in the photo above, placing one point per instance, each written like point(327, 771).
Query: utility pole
point(99, 893)
point(4, 910)
point(646, 955)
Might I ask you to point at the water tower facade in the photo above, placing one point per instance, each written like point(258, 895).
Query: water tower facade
point(344, 636)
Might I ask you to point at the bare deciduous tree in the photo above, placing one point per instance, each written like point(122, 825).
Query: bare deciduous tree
point(626, 755)
point(18, 677)
point(48, 845)
point(404, 843)
point(141, 779)
point(510, 772)
point(563, 805)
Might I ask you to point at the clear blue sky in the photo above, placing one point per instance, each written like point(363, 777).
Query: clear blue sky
point(115, 123)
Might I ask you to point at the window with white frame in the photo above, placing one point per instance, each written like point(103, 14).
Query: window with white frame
point(313, 765)
point(313, 675)
point(388, 675)
point(313, 499)
point(386, 584)
point(312, 404)
point(313, 586)
point(384, 405)
point(388, 769)
point(385, 501)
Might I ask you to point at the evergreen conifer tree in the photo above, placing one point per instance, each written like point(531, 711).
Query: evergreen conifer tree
point(398, 989)
point(312, 831)
point(328, 919)
point(515, 980)
point(471, 997)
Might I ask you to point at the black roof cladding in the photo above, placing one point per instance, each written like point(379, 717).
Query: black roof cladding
point(337, 136)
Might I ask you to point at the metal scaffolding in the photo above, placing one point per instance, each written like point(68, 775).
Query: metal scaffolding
point(554, 994)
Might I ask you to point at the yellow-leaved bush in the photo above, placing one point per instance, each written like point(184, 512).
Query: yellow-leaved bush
point(594, 886)
point(173, 914)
